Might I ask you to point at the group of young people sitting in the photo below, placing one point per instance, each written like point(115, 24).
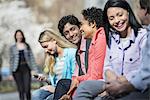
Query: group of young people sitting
point(102, 57)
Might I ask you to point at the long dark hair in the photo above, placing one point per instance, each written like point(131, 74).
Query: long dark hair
point(135, 25)
point(23, 38)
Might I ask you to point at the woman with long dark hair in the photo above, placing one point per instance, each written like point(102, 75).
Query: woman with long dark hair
point(21, 64)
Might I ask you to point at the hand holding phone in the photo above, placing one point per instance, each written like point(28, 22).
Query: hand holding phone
point(41, 77)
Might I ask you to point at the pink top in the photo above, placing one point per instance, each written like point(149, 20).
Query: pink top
point(96, 57)
point(81, 53)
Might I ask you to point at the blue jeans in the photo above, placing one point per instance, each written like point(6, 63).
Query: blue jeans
point(41, 94)
point(88, 90)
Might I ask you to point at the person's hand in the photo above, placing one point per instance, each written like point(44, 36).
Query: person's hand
point(10, 77)
point(41, 77)
point(110, 75)
point(113, 87)
point(65, 97)
point(117, 87)
point(121, 78)
point(48, 88)
point(73, 86)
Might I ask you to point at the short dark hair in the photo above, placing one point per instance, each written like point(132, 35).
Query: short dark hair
point(92, 15)
point(67, 19)
point(145, 4)
point(132, 19)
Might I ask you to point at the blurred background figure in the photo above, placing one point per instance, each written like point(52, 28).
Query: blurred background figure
point(1, 51)
point(21, 64)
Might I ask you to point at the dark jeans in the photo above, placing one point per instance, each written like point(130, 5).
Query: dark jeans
point(137, 96)
point(88, 90)
point(62, 88)
point(23, 80)
point(132, 96)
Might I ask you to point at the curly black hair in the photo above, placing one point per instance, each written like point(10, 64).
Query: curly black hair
point(67, 19)
point(93, 14)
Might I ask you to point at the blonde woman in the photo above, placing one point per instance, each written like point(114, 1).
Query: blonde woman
point(59, 62)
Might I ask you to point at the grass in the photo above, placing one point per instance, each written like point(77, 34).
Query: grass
point(10, 86)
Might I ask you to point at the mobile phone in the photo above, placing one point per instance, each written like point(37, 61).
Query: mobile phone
point(35, 76)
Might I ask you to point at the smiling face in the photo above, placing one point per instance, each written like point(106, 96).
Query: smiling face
point(19, 36)
point(118, 18)
point(86, 27)
point(72, 33)
point(49, 47)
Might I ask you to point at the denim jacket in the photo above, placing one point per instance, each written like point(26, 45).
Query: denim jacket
point(141, 79)
point(14, 58)
point(125, 60)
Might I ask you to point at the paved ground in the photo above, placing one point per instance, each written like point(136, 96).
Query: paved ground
point(9, 96)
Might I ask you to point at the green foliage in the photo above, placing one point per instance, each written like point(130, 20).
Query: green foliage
point(10, 86)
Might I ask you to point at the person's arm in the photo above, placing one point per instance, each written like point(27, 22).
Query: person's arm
point(49, 88)
point(110, 75)
point(75, 73)
point(11, 62)
point(119, 87)
point(73, 68)
point(142, 36)
point(142, 79)
point(73, 61)
point(41, 77)
point(95, 67)
point(11, 58)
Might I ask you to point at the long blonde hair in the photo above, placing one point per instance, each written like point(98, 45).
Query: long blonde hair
point(47, 36)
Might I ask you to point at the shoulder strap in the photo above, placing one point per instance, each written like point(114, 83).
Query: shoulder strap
point(79, 64)
point(88, 42)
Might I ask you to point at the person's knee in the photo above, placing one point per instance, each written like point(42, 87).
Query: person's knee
point(84, 87)
point(86, 84)
point(50, 97)
point(40, 94)
point(90, 87)
point(36, 94)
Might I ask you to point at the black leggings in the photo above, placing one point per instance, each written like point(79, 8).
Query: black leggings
point(23, 80)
